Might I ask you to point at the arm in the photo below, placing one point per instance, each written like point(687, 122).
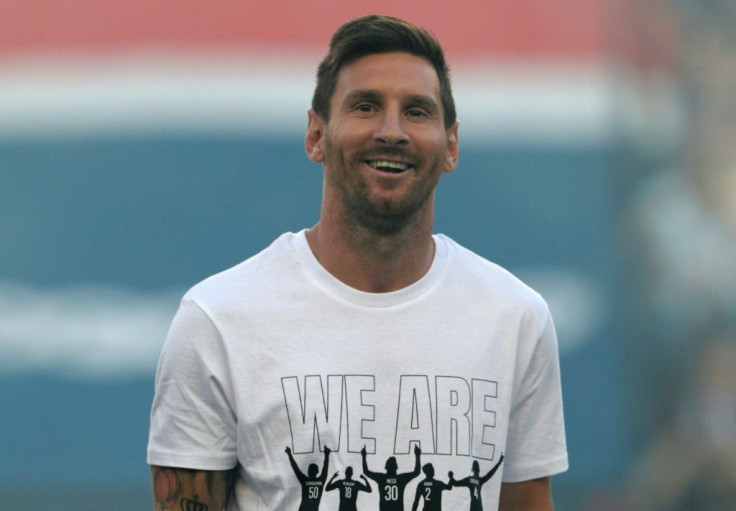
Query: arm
point(299, 475)
point(174, 488)
point(366, 471)
point(331, 484)
point(462, 482)
point(486, 477)
point(367, 487)
point(534, 495)
point(417, 462)
point(323, 475)
point(452, 482)
point(190, 372)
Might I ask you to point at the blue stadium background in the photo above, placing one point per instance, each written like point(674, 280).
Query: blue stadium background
point(158, 214)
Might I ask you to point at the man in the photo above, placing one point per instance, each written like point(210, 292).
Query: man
point(475, 482)
point(349, 489)
point(265, 354)
point(313, 483)
point(430, 489)
point(391, 484)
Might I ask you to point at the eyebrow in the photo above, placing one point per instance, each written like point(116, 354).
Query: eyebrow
point(424, 102)
point(362, 95)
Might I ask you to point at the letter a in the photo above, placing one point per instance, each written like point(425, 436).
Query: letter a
point(414, 419)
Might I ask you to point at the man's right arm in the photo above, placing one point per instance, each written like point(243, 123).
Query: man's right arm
point(366, 470)
point(179, 488)
point(417, 462)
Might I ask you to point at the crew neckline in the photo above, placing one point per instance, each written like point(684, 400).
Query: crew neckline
point(334, 287)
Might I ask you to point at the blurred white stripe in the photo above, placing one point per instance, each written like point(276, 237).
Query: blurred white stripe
point(267, 94)
point(103, 332)
point(579, 305)
point(83, 331)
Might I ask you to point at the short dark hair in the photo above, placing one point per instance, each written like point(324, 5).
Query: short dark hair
point(380, 34)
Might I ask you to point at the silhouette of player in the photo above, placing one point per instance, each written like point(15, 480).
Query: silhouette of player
point(349, 489)
point(312, 484)
point(391, 485)
point(430, 489)
point(475, 482)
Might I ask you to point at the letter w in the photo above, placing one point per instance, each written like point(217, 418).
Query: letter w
point(314, 418)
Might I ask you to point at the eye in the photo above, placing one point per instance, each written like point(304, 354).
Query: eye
point(416, 112)
point(364, 107)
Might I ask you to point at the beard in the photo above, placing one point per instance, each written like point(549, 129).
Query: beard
point(363, 210)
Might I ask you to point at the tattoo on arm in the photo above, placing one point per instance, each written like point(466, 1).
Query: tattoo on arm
point(166, 487)
point(190, 490)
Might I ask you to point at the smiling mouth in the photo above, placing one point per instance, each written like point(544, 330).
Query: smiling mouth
point(388, 166)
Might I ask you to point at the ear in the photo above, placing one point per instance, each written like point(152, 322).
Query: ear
point(314, 139)
point(452, 152)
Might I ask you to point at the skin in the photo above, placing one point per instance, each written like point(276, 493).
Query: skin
point(534, 495)
point(173, 487)
point(375, 227)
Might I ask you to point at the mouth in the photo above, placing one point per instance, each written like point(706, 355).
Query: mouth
point(394, 167)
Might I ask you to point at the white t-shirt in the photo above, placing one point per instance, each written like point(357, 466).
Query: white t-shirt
point(276, 352)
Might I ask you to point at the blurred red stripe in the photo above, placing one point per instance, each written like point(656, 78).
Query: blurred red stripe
point(533, 28)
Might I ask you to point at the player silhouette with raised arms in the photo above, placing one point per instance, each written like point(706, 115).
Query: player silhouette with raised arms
point(475, 482)
point(391, 485)
point(312, 483)
point(349, 489)
point(430, 489)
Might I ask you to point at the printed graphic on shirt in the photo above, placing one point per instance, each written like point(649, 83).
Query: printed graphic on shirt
point(349, 489)
point(312, 483)
point(391, 484)
point(430, 489)
point(456, 419)
point(435, 416)
point(475, 482)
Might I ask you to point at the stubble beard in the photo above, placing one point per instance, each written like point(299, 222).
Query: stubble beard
point(363, 212)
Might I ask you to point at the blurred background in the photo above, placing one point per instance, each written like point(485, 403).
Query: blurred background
point(145, 145)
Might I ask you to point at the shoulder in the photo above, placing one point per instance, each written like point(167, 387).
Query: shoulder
point(487, 281)
point(246, 280)
point(222, 300)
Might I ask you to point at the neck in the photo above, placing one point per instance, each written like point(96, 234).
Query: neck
point(370, 261)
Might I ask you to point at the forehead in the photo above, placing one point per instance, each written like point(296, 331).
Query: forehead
point(389, 73)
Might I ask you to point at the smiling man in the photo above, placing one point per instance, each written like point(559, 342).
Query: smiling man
point(384, 145)
point(366, 333)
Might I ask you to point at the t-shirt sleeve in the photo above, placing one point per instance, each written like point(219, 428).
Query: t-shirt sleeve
point(536, 445)
point(193, 422)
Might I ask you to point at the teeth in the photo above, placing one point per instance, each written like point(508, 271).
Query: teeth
point(388, 165)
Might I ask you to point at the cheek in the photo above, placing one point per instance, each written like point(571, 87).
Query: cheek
point(436, 150)
point(343, 148)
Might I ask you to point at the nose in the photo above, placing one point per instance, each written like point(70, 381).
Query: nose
point(390, 129)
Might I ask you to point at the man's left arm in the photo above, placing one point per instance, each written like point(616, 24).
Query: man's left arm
point(534, 495)
point(536, 447)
